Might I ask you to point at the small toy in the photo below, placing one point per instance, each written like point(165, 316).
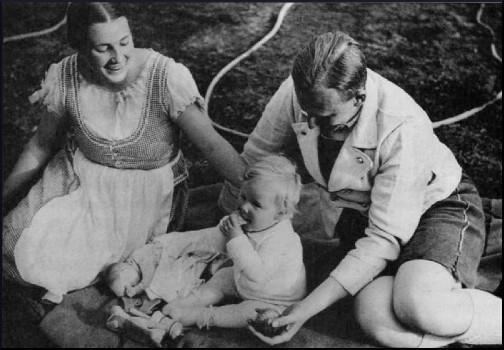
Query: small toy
point(263, 323)
point(142, 303)
point(142, 328)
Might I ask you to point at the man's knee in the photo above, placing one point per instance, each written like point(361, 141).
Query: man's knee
point(375, 315)
point(417, 293)
point(371, 306)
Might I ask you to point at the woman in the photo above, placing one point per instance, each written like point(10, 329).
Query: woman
point(121, 177)
point(412, 230)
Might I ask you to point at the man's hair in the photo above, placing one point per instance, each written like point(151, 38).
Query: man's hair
point(330, 60)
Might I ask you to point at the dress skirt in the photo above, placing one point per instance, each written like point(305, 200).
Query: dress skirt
point(80, 217)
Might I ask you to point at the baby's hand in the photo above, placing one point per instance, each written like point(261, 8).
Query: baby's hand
point(131, 291)
point(231, 225)
point(263, 323)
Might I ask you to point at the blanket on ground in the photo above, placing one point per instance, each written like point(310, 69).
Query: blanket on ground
point(79, 321)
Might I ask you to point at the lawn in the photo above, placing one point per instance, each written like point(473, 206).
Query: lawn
point(436, 52)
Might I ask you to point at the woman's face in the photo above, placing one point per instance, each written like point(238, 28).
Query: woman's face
point(109, 50)
point(330, 109)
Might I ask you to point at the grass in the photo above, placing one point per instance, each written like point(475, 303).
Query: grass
point(436, 52)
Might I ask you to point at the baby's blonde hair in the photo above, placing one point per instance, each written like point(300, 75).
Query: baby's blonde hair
point(281, 169)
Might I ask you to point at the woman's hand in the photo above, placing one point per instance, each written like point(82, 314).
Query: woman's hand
point(293, 318)
point(231, 226)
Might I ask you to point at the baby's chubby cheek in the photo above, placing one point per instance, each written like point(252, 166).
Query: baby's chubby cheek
point(240, 220)
point(117, 289)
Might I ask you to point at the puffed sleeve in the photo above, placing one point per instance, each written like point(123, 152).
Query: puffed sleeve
point(50, 93)
point(180, 90)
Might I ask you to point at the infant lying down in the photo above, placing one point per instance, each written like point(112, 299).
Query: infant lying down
point(168, 267)
point(267, 271)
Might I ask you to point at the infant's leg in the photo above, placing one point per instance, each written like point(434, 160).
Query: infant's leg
point(203, 296)
point(233, 315)
point(182, 309)
point(210, 293)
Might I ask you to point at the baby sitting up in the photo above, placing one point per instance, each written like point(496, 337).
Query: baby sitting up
point(268, 270)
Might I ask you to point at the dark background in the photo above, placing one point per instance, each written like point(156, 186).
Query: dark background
point(436, 52)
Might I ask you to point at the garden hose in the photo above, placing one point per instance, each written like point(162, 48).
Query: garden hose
point(230, 65)
point(280, 18)
point(37, 33)
point(498, 97)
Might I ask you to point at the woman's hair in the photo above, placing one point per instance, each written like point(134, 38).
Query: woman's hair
point(287, 180)
point(81, 15)
point(330, 60)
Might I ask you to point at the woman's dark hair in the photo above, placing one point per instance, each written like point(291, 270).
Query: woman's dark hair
point(81, 15)
point(330, 60)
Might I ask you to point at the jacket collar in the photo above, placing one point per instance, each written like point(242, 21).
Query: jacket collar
point(364, 134)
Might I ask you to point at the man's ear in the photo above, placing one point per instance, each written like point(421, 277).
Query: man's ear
point(360, 97)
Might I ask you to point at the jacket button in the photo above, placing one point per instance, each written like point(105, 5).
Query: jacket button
point(360, 160)
point(304, 133)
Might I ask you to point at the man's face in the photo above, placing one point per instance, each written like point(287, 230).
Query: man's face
point(330, 109)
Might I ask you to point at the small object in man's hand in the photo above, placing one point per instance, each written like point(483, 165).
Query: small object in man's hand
point(263, 323)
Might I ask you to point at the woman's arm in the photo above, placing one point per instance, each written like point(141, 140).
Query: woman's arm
point(273, 134)
point(197, 126)
point(326, 294)
point(35, 155)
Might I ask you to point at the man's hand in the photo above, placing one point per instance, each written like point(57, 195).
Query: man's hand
point(231, 226)
point(293, 318)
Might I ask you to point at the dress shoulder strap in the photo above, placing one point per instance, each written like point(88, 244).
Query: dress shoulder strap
point(68, 75)
point(159, 80)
